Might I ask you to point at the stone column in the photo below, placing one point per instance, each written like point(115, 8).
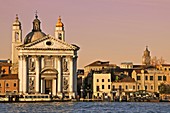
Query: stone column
point(42, 85)
point(54, 87)
point(20, 71)
point(37, 78)
point(42, 62)
point(55, 63)
point(24, 74)
point(75, 74)
point(59, 74)
point(71, 77)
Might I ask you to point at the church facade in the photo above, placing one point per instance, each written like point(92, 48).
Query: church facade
point(46, 64)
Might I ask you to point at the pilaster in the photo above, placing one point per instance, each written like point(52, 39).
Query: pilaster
point(20, 69)
point(25, 74)
point(71, 78)
point(37, 78)
point(54, 87)
point(42, 85)
point(59, 82)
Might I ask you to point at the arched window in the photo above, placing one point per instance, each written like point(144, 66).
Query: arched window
point(16, 36)
point(60, 36)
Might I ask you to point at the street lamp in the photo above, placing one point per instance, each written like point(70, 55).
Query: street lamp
point(81, 90)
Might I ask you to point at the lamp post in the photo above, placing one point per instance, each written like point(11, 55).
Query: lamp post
point(81, 90)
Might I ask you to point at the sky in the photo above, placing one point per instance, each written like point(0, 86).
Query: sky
point(107, 30)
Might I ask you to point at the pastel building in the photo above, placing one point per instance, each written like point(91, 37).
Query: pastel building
point(101, 85)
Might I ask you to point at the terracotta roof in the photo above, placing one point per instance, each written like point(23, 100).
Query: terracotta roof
point(101, 63)
point(5, 64)
point(9, 76)
point(165, 64)
point(127, 79)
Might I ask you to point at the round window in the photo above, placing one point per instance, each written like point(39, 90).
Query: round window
point(49, 43)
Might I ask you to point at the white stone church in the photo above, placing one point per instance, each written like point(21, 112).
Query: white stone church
point(45, 64)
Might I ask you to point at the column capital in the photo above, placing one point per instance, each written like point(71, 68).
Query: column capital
point(59, 57)
point(22, 56)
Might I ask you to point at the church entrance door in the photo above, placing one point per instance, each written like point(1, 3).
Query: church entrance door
point(48, 86)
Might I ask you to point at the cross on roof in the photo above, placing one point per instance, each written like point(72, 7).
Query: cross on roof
point(36, 14)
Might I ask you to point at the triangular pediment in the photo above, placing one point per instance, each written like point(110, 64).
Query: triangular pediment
point(49, 42)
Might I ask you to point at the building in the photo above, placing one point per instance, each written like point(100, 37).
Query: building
point(124, 87)
point(9, 84)
point(46, 64)
point(126, 65)
point(98, 66)
point(150, 79)
point(164, 67)
point(5, 68)
point(101, 85)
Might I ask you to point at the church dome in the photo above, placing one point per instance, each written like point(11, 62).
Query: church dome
point(59, 23)
point(36, 32)
point(32, 36)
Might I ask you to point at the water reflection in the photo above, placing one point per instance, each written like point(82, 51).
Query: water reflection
point(85, 107)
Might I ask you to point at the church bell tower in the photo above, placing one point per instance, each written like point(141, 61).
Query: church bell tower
point(59, 30)
point(16, 41)
point(146, 58)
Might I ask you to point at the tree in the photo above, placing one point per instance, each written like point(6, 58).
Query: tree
point(157, 61)
point(164, 88)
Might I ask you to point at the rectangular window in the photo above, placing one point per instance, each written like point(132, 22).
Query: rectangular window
point(159, 78)
point(15, 84)
point(102, 80)
point(151, 87)
point(102, 86)
point(146, 87)
point(108, 86)
point(120, 87)
point(97, 87)
point(126, 87)
point(164, 78)
point(7, 85)
point(0, 85)
point(108, 80)
point(151, 78)
point(138, 87)
point(97, 80)
point(133, 87)
point(138, 77)
point(146, 77)
point(113, 87)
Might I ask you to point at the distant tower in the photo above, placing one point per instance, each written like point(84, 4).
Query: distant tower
point(16, 41)
point(146, 58)
point(59, 30)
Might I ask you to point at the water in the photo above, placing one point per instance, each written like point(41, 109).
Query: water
point(85, 107)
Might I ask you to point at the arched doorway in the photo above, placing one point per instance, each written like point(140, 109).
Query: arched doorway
point(49, 81)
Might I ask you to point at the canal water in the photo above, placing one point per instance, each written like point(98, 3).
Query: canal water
point(86, 107)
